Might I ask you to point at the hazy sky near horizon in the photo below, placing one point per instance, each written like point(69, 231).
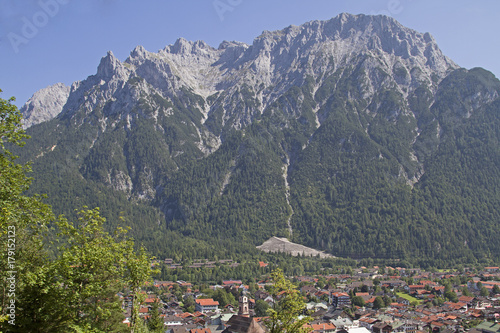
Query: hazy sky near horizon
point(43, 42)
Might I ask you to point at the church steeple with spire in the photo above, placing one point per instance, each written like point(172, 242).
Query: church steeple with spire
point(242, 323)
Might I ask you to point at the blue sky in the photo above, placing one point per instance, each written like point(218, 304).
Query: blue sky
point(43, 42)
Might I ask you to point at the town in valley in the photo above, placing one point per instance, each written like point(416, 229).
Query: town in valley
point(361, 300)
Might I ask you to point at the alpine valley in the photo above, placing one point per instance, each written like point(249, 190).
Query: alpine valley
point(355, 136)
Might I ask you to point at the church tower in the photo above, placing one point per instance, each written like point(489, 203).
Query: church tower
point(243, 305)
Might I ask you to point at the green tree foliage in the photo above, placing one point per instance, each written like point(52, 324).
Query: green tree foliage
point(387, 300)
point(77, 291)
point(358, 301)
point(496, 289)
point(261, 308)
point(79, 288)
point(189, 304)
point(468, 324)
point(155, 322)
point(378, 303)
point(466, 292)
point(91, 267)
point(451, 296)
point(288, 306)
point(22, 221)
point(224, 297)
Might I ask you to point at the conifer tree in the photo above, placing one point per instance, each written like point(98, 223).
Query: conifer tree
point(155, 323)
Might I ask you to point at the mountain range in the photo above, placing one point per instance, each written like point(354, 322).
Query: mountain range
point(356, 136)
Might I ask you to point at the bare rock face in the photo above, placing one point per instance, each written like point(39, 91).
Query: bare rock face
point(276, 61)
point(45, 104)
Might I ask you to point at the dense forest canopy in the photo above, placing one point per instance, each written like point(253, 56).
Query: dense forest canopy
point(383, 150)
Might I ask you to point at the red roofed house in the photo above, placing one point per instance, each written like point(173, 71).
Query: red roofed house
point(320, 328)
point(439, 289)
point(150, 300)
point(143, 311)
point(466, 299)
point(490, 284)
point(339, 300)
point(208, 304)
point(185, 315)
point(492, 269)
point(367, 322)
point(427, 282)
point(231, 282)
point(370, 301)
point(436, 326)
point(412, 289)
point(199, 314)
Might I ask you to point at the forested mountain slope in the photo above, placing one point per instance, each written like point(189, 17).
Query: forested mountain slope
point(355, 135)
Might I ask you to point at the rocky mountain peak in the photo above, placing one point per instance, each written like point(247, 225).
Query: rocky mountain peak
point(343, 39)
point(45, 104)
point(232, 44)
point(278, 59)
point(183, 46)
point(109, 67)
point(139, 52)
